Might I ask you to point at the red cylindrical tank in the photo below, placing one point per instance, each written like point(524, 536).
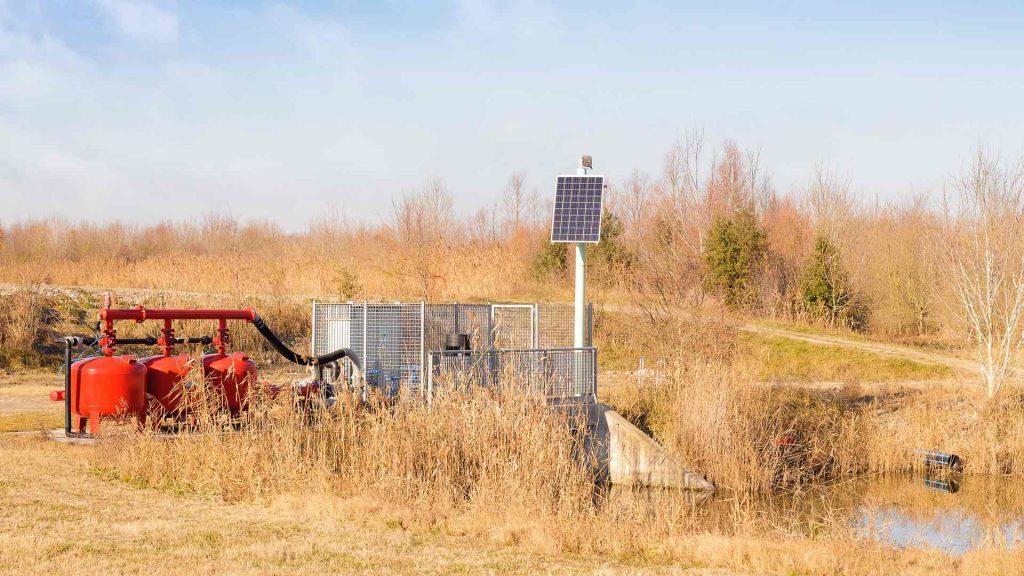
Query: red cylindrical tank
point(233, 374)
point(107, 386)
point(163, 382)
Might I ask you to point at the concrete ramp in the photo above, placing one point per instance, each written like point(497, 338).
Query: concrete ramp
point(626, 456)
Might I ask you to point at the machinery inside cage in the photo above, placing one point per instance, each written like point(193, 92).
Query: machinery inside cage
point(420, 348)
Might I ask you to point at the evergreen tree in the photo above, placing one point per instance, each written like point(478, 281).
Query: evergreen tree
point(609, 257)
point(734, 248)
point(550, 260)
point(825, 288)
point(606, 258)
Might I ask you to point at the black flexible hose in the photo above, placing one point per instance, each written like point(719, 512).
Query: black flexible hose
point(295, 357)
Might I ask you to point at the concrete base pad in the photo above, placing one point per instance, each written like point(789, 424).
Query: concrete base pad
point(57, 435)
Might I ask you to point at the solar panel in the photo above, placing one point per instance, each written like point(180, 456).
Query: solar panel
point(577, 215)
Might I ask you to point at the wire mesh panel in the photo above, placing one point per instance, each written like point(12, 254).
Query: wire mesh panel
point(439, 322)
point(475, 320)
point(555, 326)
point(563, 375)
point(387, 340)
point(443, 319)
point(513, 326)
point(332, 327)
point(390, 341)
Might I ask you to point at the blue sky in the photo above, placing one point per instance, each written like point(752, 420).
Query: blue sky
point(151, 109)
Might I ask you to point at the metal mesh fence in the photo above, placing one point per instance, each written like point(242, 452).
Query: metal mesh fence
point(514, 326)
point(391, 341)
point(386, 340)
point(562, 375)
point(555, 326)
point(444, 319)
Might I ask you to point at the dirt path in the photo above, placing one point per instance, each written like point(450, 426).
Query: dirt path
point(917, 355)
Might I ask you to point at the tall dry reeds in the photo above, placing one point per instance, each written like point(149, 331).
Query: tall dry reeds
point(473, 449)
point(23, 321)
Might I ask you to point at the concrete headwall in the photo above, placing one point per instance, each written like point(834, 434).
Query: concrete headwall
point(626, 456)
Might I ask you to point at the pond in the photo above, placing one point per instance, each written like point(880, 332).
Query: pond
point(950, 513)
point(956, 515)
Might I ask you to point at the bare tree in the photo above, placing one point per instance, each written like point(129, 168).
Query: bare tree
point(514, 202)
point(631, 201)
point(419, 223)
point(984, 258)
point(832, 203)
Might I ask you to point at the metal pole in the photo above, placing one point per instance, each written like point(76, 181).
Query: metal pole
point(430, 379)
point(579, 318)
point(312, 341)
point(423, 347)
point(580, 321)
point(67, 386)
point(365, 370)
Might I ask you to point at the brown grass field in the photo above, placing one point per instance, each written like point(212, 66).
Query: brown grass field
point(482, 485)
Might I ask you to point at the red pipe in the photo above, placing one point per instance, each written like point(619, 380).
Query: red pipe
point(140, 314)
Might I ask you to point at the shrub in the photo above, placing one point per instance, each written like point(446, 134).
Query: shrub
point(826, 292)
point(550, 261)
point(735, 246)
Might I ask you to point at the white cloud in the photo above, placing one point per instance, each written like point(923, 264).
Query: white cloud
point(36, 68)
point(142, 19)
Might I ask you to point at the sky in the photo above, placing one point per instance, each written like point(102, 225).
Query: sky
point(148, 110)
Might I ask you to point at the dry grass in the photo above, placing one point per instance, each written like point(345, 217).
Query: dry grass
point(292, 528)
point(21, 327)
point(330, 260)
point(751, 437)
point(989, 436)
point(473, 450)
point(482, 483)
point(477, 483)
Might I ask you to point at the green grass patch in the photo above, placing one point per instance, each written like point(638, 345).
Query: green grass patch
point(787, 360)
point(814, 330)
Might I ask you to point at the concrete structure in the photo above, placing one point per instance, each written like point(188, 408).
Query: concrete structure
point(626, 456)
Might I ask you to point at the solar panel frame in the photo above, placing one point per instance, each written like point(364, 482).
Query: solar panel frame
point(579, 205)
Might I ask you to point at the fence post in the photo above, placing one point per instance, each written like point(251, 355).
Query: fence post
point(490, 326)
point(366, 382)
point(457, 309)
point(535, 328)
point(423, 337)
point(312, 341)
point(430, 379)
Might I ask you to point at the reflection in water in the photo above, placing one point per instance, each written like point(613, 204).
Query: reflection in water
point(949, 485)
point(943, 512)
point(955, 531)
point(989, 513)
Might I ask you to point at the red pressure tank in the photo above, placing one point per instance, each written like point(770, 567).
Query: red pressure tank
point(106, 386)
point(163, 383)
point(233, 374)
